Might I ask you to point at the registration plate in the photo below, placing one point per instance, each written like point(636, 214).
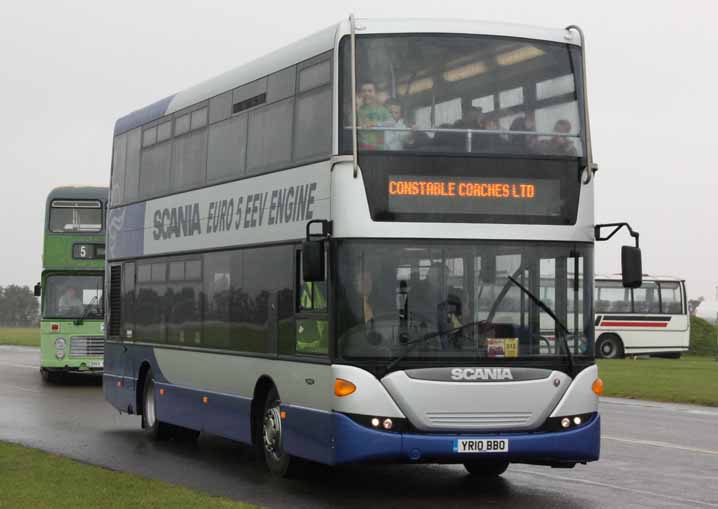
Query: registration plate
point(96, 364)
point(481, 445)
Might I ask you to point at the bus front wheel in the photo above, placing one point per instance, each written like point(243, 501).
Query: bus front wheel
point(155, 429)
point(272, 440)
point(486, 469)
point(609, 346)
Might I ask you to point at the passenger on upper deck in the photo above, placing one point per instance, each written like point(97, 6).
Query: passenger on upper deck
point(471, 119)
point(396, 140)
point(522, 143)
point(559, 145)
point(371, 113)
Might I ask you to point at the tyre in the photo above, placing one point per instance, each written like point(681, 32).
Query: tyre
point(609, 346)
point(276, 459)
point(50, 377)
point(155, 429)
point(486, 469)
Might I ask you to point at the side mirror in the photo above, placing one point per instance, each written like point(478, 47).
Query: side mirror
point(313, 260)
point(631, 267)
point(38, 290)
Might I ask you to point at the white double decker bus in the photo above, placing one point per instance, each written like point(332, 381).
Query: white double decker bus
point(334, 252)
point(652, 319)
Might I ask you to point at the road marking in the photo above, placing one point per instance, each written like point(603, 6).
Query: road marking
point(680, 500)
point(15, 365)
point(665, 445)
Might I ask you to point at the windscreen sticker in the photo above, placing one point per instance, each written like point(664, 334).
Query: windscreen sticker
point(502, 347)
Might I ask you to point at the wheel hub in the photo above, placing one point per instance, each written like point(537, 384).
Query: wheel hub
point(272, 432)
point(150, 404)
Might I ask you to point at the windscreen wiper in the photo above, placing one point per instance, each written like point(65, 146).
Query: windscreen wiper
point(86, 312)
point(549, 311)
point(414, 343)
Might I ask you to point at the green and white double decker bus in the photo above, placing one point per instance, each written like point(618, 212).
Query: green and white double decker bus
point(73, 260)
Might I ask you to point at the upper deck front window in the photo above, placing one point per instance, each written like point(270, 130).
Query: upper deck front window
point(72, 216)
point(463, 95)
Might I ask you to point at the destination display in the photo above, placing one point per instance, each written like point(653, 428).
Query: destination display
point(88, 251)
point(472, 195)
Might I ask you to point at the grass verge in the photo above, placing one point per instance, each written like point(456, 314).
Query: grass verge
point(32, 478)
point(23, 336)
point(690, 379)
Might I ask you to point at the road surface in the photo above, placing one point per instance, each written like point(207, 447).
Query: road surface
point(653, 455)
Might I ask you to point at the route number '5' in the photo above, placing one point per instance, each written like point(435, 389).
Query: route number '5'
point(83, 251)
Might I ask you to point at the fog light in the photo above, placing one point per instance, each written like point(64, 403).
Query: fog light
point(60, 354)
point(60, 344)
point(577, 421)
point(565, 422)
point(375, 422)
point(387, 424)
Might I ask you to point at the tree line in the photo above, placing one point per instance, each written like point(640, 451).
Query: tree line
point(18, 307)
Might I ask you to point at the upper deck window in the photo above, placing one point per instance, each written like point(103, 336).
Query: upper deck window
point(72, 216)
point(463, 94)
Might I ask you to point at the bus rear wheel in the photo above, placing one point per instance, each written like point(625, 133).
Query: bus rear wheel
point(155, 429)
point(609, 346)
point(486, 469)
point(276, 458)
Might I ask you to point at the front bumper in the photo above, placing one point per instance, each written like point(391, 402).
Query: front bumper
point(354, 442)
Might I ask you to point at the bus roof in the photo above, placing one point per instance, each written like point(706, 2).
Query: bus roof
point(78, 193)
point(647, 277)
point(323, 41)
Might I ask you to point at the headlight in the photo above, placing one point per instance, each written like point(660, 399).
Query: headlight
point(60, 354)
point(60, 344)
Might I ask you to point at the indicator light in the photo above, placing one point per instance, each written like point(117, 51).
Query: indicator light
point(343, 387)
point(597, 386)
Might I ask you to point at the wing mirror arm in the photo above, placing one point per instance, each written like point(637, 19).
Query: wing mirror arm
point(631, 260)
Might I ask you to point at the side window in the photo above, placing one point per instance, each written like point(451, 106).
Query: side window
point(150, 311)
point(184, 308)
point(312, 332)
point(313, 124)
point(227, 149)
point(189, 158)
point(155, 175)
point(132, 175)
point(645, 298)
point(311, 296)
point(270, 137)
point(612, 297)
point(671, 298)
point(119, 153)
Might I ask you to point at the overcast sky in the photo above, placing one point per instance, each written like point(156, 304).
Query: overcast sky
point(69, 69)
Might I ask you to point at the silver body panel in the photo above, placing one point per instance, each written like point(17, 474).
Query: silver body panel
point(479, 406)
